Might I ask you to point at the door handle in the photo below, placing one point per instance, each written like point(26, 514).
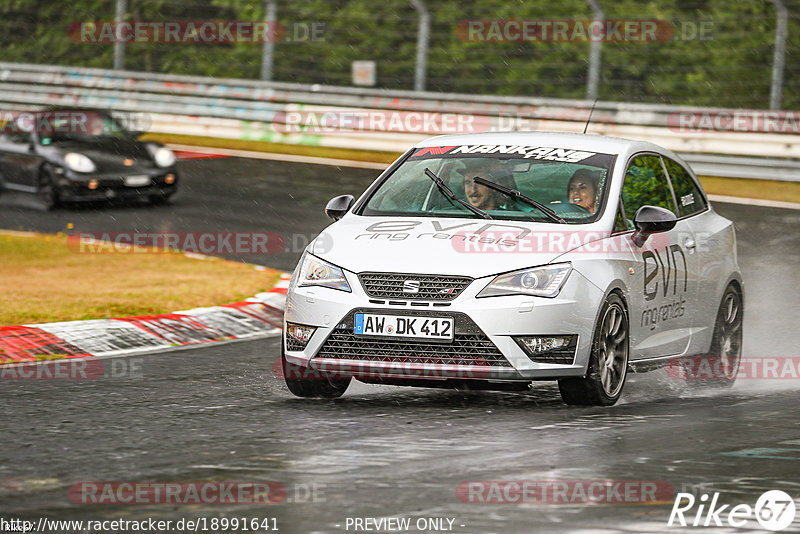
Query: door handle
point(690, 244)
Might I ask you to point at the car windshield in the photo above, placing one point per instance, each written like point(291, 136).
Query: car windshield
point(572, 183)
point(77, 125)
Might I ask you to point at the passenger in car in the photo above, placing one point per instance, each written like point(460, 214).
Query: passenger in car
point(583, 188)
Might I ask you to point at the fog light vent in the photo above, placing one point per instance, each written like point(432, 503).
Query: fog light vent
point(558, 349)
point(298, 336)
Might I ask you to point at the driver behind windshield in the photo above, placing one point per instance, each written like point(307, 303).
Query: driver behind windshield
point(481, 196)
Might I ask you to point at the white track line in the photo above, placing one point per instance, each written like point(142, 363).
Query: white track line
point(754, 202)
point(18, 233)
point(282, 157)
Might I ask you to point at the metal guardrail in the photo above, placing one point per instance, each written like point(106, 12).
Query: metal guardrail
point(738, 167)
point(251, 109)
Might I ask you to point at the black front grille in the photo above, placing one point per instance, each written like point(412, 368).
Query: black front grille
point(402, 286)
point(470, 346)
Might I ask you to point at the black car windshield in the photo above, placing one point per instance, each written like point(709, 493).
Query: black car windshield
point(572, 183)
point(77, 125)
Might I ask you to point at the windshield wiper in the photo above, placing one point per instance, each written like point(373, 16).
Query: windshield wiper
point(513, 193)
point(452, 196)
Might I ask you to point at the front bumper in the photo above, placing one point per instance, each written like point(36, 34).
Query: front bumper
point(483, 347)
point(73, 187)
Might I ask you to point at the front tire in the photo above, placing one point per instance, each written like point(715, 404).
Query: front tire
point(306, 382)
point(160, 200)
point(608, 362)
point(47, 190)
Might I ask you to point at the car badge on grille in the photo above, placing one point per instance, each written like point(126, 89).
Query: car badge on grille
point(448, 290)
point(411, 286)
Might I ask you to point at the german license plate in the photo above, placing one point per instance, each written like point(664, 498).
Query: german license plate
point(370, 324)
point(137, 181)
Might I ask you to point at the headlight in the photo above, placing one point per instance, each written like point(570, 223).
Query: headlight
point(544, 281)
point(163, 157)
point(316, 272)
point(79, 162)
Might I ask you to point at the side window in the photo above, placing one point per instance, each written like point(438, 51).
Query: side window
point(10, 133)
point(18, 138)
point(620, 225)
point(690, 200)
point(645, 185)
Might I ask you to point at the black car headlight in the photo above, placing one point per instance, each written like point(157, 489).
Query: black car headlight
point(163, 156)
point(79, 163)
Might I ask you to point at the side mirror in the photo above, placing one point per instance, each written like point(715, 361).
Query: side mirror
point(338, 206)
point(651, 220)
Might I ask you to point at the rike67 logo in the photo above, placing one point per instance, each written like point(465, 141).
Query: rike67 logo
point(774, 510)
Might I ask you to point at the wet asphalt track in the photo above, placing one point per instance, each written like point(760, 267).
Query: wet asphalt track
point(218, 413)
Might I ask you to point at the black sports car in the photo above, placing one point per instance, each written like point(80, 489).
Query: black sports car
point(68, 154)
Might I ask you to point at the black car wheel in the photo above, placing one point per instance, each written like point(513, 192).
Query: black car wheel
point(608, 363)
point(159, 200)
point(719, 367)
point(46, 189)
point(305, 382)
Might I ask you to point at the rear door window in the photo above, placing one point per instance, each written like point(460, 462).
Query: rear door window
point(687, 193)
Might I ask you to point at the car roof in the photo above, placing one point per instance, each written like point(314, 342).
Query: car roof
point(589, 142)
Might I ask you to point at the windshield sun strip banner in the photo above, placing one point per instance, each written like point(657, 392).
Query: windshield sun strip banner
point(529, 152)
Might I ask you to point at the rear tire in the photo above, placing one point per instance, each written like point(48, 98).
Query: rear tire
point(608, 362)
point(722, 359)
point(314, 383)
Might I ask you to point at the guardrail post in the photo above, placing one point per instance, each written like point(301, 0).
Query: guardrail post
point(595, 52)
point(776, 87)
point(119, 45)
point(271, 13)
point(423, 34)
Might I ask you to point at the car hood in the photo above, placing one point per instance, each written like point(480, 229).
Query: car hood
point(465, 247)
point(109, 154)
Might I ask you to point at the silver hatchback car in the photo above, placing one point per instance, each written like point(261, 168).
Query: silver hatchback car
point(489, 261)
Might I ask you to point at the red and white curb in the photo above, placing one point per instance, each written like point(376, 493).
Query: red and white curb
point(257, 317)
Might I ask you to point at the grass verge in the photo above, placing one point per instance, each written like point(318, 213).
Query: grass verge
point(46, 281)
